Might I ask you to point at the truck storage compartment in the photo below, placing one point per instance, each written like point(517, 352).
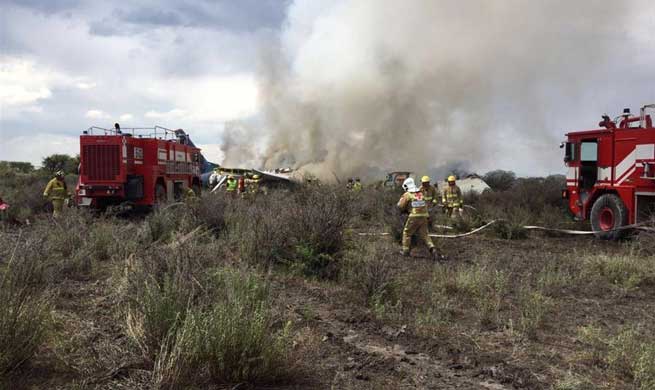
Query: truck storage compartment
point(134, 187)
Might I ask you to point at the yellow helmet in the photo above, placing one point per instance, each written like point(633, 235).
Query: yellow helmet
point(452, 178)
point(256, 177)
point(425, 179)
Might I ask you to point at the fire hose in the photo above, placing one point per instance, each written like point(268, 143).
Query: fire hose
point(637, 226)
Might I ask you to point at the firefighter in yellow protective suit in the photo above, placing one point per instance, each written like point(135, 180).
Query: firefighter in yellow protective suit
point(413, 203)
point(253, 185)
point(57, 192)
point(190, 195)
point(452, 199)
point(231, 186)
point(357, 185)
point(430, 195)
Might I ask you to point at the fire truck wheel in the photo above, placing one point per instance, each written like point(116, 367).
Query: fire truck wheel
point(607, 214)
point(160, 195)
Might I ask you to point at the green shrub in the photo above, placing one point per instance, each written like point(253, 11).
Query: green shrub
point(158, 289)
point(305, 227)
point(235, 338)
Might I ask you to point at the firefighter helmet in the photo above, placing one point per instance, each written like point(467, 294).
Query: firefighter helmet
point(59, 174)
point(408, 185)
point(451, 179)
point(425, 179)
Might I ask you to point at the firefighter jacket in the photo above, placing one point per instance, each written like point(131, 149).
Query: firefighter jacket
point(430, 195)
point(189, 194)
point(253, 186)
point(452, 197)
point(414, 204)
point(232, 185)
point(56, 190)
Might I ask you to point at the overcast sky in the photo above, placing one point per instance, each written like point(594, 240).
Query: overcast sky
point(66, 65)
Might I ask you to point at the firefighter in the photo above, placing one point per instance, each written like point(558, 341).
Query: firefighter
point(57, 192)
point(231, 186)
point(357, 185)
point(3, 209)
point(412, 202)
point(350, 184)
point(190, 195)
point(241, 186)
point(430, 195)
point(452, 199)
point(253, 186)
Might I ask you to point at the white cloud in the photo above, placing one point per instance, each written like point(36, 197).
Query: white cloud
point(23, 84)
point(175, 113)
point(97, 114)
point(25, 148)
point(85, 85)
point(207, 99)
point(126, 117)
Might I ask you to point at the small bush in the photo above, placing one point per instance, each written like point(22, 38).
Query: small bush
point(370, 272)
point(234, 339)
point(25, 309)
point(158, 288)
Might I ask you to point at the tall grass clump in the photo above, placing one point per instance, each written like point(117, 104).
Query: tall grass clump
point(629, 354)
point(533, 308)
point(483, 287)
point(25, 308)
point(235, 339)
point(196, 321)
point(624, 271)
point(370, 271)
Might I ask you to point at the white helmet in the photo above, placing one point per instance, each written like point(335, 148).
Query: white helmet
point(409, 186)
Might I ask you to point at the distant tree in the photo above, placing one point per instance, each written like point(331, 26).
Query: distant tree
point(500, 180)
point(17, 166)
point(63, 162)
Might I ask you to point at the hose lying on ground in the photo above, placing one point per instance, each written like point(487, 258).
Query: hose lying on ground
point(637, 226)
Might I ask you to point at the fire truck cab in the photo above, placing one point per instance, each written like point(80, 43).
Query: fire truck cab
point(135, 167)
point(611, 172)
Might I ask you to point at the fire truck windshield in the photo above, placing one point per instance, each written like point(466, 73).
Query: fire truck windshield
point(589, 151)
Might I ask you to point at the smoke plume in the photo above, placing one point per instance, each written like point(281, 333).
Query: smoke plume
point(356, 87)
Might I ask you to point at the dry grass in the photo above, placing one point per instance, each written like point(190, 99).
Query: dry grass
point(200, 294)
point(25, 312)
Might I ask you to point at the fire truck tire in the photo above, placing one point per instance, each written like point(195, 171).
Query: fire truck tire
point(160, 195)
point(608, 214)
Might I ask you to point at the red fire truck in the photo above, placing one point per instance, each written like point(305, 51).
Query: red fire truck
point(136, 166)
point(611, 172)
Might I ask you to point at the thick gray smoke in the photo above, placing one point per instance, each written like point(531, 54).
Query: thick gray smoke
point(361, 86)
